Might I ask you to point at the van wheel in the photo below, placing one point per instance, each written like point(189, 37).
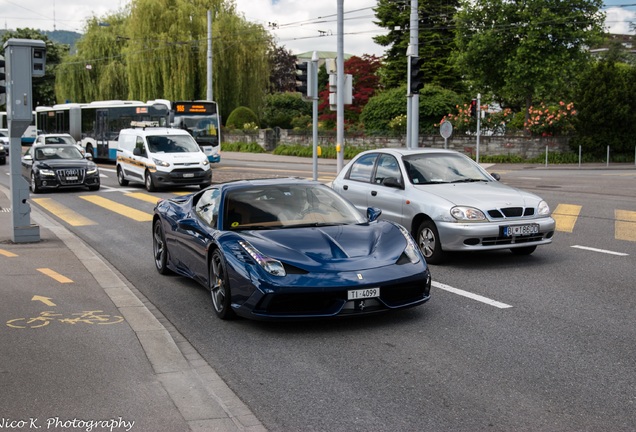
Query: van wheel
point(150, 186)
point(120, 177)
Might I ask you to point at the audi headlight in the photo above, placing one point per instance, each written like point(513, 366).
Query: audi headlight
point(467, 214)
point(47, 172)
point(270, 265)
point(91, 170)
point(159, 162)
point(544, 209)
point(411, 248)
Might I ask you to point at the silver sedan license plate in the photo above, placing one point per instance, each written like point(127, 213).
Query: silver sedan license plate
point(363, 293)
point(521, 230)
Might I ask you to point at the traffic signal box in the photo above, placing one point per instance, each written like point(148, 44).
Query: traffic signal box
point(416, 81)
point(302, 77)
point(473, 108)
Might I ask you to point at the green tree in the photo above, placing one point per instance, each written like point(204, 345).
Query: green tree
point(282, 108)
point(435, 43)
point(524, 51)
point(240, 117)
point(97, 71)
point(606, 116)
point(386, 108)
point(43, 87)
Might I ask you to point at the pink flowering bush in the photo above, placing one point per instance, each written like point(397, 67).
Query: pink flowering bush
point(551, 120)
point(492, 122)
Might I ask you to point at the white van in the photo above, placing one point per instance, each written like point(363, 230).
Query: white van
point(161, 157)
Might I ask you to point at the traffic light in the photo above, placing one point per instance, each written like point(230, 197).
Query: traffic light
point(473, 108)
point(302, 77)
point(3, 87)
point(416, 82)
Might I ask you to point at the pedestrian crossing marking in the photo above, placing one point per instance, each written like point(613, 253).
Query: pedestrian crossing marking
point(625, 225)
point(71, 217)
point(144, 197)
point(121, 209)
point(565, 216)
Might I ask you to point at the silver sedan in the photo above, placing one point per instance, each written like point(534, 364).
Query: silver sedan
point(447, 201)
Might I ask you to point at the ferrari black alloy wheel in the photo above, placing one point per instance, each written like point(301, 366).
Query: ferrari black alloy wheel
point(220, 287)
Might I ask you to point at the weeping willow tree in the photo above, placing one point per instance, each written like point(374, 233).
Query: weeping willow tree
point(166, 53)
point(97, 70)
point(157, 49)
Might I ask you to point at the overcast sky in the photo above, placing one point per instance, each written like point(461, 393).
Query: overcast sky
point(299, 25)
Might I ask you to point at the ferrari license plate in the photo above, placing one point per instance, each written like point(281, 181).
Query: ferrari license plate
point(521, 230)
point(363, 293)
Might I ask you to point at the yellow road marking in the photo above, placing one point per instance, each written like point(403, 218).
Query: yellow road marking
point(55, 275)
point(7, 253)
point(144, 197)
point(46, 300)
point(121, 209)
point(66, 214)
point(625, 225)
point(565, 216)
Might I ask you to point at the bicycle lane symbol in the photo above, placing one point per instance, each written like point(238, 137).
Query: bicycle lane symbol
point(46, 317)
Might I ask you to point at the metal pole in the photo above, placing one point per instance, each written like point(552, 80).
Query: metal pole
point(546, 156)
point(415, 99)
point(579, 156)
point(608, 156)
point(314, 84)
point(210, 92)
point(478, 125)
point(340, 93)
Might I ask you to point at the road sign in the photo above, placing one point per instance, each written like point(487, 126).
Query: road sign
point(446, 129)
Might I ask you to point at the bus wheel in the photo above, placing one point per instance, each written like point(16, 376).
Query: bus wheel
point(150, 186)
point(120, 177)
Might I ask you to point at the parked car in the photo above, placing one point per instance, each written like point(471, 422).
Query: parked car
point(447, 201)
point(55, 166)
point(288, 249)
point(5, 144)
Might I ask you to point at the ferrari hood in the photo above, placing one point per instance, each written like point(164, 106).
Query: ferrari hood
point(482, 195)
point(332, 248)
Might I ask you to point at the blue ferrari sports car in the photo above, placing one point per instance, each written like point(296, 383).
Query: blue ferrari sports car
point(288, 249)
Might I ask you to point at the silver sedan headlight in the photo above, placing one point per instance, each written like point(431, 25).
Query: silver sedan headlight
point(543, 209)
point(467, 214)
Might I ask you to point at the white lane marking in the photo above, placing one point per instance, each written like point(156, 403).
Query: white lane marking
point(107, 170)
point(600, 250)
point(470, 295)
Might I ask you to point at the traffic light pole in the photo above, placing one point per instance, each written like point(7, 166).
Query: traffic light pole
point(313, 80)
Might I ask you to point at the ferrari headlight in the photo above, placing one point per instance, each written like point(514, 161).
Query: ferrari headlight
point(411, 248)
point(159, 162)
point(467, 214)
point(544, 209)
point(270, 265)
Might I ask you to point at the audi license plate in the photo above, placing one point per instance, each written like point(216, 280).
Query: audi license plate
point(71, 178)
point(520, 230)
point(363, 293)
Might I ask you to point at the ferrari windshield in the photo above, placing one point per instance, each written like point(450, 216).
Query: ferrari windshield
point(287, 205)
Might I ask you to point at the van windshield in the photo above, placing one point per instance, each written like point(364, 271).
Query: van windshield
point(172, 144)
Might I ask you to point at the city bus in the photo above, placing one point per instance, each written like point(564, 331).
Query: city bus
point(96, 125)
point(29, 134)
point(201, 119)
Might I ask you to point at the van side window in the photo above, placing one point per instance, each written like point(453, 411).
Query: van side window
point(140, 145)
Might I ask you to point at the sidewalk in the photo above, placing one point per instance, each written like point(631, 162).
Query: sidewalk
point(82, 349)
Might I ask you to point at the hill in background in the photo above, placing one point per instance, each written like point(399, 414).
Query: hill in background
point(60, 36)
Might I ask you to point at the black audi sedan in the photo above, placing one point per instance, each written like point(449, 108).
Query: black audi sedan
point(55, 166)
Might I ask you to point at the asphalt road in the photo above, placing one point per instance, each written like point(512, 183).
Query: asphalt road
point(537, 343)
